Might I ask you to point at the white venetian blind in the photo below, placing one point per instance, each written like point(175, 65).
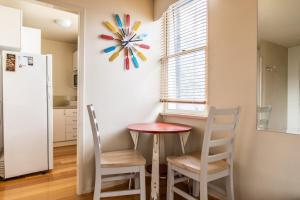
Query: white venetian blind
point(184, 41)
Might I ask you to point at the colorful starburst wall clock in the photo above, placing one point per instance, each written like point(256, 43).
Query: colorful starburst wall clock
point(127, 39)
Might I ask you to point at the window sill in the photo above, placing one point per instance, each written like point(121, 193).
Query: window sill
point(185, 115)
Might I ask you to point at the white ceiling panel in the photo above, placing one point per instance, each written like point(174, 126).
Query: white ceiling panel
point(42, 16)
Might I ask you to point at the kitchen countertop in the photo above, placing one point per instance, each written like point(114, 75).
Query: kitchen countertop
point(64, 107)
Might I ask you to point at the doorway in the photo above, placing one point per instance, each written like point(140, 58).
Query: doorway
point(65, 82)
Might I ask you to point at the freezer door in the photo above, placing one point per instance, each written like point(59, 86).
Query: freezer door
point(25, 114)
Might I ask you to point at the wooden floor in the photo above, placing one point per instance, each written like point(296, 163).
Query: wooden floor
point(59, 184)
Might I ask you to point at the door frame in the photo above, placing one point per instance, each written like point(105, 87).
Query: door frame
point(80, 11)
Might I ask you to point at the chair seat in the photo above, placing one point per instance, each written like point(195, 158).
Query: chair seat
point(192, 163)
point(126, 158)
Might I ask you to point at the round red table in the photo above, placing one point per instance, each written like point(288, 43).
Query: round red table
point(158, 129)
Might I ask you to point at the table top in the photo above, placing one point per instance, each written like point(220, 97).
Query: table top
point(159, 128)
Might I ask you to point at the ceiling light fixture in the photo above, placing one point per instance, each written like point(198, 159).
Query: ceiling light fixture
point(64, 23)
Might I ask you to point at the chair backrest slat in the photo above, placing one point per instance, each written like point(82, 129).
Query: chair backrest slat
point(223, 127)
point(218, 157)
point(225, 133)
point(96, 133)
point(220, 142)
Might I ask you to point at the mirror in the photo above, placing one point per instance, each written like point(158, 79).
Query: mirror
point(278, 96)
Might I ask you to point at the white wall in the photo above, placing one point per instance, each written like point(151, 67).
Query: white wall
point(120, 97)
point(160, 6)
point(62, 66)
point(266, 164)
point(294, 89)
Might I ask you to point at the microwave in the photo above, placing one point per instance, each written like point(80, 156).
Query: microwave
point(75, 79)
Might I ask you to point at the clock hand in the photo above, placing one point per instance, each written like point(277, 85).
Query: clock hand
point(136, 40)
point(116, 54)
point(131, 38)
point(126, 42)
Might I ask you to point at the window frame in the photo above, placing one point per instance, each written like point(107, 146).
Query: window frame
point(164, 77)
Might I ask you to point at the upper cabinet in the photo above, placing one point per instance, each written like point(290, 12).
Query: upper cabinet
point(31, 40)
point(10, 23)
point(75, 61)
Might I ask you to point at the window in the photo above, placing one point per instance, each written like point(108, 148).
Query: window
point(184, 63)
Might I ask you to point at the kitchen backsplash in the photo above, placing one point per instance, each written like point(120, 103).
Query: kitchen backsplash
point(63, 100)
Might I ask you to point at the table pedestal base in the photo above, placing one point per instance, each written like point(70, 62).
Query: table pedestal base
point(163, 170)
point(158, 144)
point(155, 168)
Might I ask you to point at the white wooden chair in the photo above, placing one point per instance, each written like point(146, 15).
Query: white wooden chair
point(117, 165)
point(208, 166)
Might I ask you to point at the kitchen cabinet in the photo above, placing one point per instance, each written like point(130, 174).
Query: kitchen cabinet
point(10, 23)
point(64, 125)
point(31, 40)
point(59, 125)
point(71, 124)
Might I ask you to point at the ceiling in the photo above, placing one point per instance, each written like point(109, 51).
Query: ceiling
point(279, 21)
point(42, 16)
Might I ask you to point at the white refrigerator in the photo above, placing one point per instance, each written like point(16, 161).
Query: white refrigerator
point(26, 130)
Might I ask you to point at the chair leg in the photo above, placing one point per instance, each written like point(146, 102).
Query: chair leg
point(142, 183)
point(129, 184)
point(196, 188)
point(137, 181)
point(203, 190)
point(170, 183)
point(229, 187)
point(97, 189)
